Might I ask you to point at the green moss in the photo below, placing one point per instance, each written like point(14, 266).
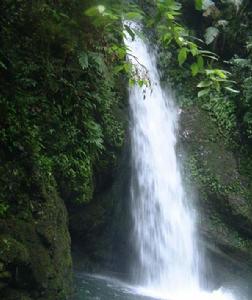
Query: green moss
point(226, 236)
point(35, 251)
point(12, 251)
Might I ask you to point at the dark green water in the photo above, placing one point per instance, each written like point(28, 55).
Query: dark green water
point(99, 288)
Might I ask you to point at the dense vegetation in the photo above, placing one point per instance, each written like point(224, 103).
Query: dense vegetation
point(58, 100)
point(226, 28)
point(60, 125)
point(63, 79)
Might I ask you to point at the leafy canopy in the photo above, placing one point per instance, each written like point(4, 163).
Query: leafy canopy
point(166, 20)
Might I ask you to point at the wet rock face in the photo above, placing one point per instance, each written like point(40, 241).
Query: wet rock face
point(100, 229)
point(35, 261)
point(223, 194)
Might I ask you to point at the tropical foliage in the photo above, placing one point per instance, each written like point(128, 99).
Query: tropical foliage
point(60, 102)
point(63, 81)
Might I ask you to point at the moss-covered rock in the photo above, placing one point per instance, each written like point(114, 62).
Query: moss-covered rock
point(35, 256)
point(223, 193)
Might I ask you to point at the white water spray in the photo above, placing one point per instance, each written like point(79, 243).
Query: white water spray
point(167, 264)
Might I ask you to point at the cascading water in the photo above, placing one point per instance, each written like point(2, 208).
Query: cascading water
point(164, 223)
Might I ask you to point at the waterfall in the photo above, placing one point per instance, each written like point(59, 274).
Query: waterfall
point(164, 234)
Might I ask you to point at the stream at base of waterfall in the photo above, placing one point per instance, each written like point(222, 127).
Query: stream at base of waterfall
point(97, 287)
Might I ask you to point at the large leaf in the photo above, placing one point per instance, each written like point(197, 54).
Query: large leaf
point(194, 69)
point(221, 73)
point(194, 49)
point(204, 83)
point(211, 34)
point(232, 90)
point(182, 56)
point(200, 63)
point(170, 16)
point(203, 92)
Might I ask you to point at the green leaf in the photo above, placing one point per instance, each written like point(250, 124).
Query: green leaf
point(194, 69)
point(200, 63)
point(198, 4)
point(132, 82)
point(182, 56)
point(194, 49)
point(170, 16)
point(232, 90)
point(204, 83)
point(140, 83)
point(83, 60)
point(208, 52)
point(117, 69)
point(127, 67)
point(167, 37)
point(134, 16)
point(210, 56)
point(221, 73)
point(203, 92)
